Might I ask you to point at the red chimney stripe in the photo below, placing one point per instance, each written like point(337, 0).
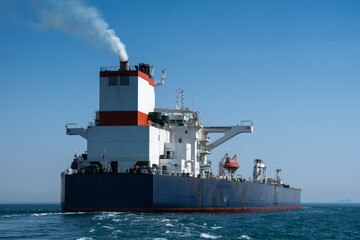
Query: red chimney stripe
point(122, 118)
point(128, 73)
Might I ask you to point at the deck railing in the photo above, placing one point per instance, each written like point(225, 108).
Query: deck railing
point(114, 68)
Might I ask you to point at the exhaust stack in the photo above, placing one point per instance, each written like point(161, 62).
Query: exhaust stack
point(124, 66)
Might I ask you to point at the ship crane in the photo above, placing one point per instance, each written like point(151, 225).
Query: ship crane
point(229, 132)
point(76, 130)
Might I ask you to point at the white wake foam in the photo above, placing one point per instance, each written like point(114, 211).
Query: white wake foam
point(215, 228)
point(209, 236)
point(245, 237)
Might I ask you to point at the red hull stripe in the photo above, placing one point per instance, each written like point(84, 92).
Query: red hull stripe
point(122, 118)
point(207, 210)
point(128, 73)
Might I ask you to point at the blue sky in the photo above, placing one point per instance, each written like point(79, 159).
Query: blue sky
point(290, 66)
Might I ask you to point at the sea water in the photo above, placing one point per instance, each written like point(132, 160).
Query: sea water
point(47, 221)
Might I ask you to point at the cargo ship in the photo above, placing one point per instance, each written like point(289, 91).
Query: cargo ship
point(145, 159)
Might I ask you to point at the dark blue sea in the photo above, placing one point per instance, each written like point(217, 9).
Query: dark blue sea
point(46, 221)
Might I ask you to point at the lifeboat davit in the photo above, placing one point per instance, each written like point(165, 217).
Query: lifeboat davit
point(231, 165)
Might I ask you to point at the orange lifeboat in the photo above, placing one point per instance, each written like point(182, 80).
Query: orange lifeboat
point(231, 165)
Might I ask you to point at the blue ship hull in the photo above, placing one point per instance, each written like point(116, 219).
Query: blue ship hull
point(164, 193)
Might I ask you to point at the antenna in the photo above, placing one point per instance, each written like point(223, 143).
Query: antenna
point(180, 99)
point(278, 170)
point(163, 74)
point(163, 77)
point(152, 71)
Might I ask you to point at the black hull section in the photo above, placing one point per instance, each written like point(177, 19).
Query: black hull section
point(163, 193)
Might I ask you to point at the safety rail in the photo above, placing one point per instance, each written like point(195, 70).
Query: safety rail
point(251, 123)
point(114, 68)
point(70, 171)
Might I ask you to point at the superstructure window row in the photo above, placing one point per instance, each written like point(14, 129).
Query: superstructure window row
point(119, 80)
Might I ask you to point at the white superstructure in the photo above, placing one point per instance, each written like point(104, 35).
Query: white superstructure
point(130, 134)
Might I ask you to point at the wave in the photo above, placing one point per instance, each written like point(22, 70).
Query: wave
point(108, 227)
point(11, 215)
point(245, 237)
point(209, 236)
point(116, 232)
point(216, 227)
point(179, 234)
point(118, 220)
point(38, 214)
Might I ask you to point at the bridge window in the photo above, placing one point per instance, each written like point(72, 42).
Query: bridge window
point(113, 81)
point(124, 80)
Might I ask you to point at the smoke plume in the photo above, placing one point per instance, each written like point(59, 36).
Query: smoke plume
point(74, 17)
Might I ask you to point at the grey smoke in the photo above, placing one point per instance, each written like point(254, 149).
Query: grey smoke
point(74, 17)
